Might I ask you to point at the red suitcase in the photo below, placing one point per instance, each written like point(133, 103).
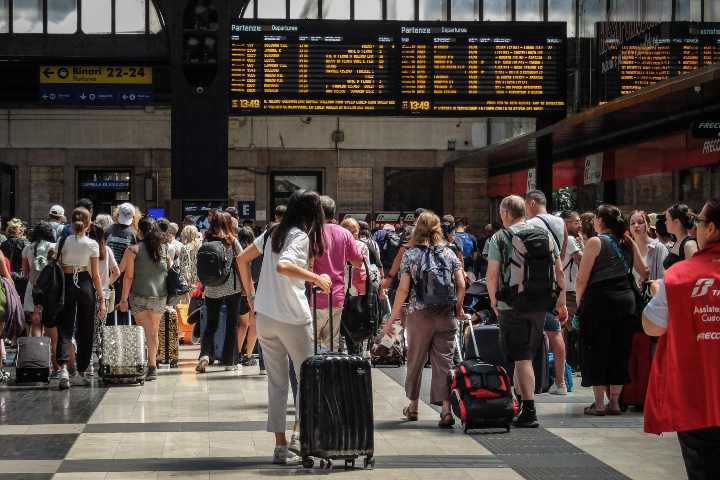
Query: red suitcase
point(641, 354)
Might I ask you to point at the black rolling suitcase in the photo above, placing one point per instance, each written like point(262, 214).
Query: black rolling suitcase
point(485, 344)
point(336, 406)
point(481, 393)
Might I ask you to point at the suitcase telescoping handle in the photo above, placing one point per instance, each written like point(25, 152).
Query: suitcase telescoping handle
point(115, 317)
point(315, 290)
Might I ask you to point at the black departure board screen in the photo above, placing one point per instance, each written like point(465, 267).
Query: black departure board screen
point(635, 55)
point(397, 68)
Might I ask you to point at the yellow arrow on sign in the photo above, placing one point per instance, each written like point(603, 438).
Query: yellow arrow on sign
point(94, 74)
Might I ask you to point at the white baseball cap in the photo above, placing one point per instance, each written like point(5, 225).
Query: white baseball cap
point(126, 214)
point(57, 211)
point(389, 227)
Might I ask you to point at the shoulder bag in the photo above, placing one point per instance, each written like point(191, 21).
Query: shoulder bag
point(642, 294)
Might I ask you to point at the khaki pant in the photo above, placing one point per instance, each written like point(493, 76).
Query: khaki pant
point(323, 328)
point(430, 331)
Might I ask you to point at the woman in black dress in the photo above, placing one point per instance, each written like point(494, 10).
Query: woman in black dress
point(607, 305)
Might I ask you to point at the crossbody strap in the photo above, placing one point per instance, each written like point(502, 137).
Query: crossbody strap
point(557, 242)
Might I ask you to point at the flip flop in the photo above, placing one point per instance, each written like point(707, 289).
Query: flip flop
point(594, 412)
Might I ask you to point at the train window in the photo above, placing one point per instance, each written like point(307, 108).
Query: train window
point(304, 9)
point(27, 16)
point(401, 9)
point(465, 10)
point(368, 9)
point(433, 9)
point(563, 11)
point(4, 20)
point(529, 10)
point(336, 9)
point(96, 16)
point(61, 16)
point(130, 16)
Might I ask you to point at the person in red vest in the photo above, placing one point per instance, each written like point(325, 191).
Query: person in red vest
point(684, 391)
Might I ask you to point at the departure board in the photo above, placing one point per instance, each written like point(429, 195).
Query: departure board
point(652, 54)
point(397, 68)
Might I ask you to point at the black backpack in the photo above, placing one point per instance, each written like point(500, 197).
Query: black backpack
point(390, 248)
point(531, 286)
point(214, 263)
point(49, 289)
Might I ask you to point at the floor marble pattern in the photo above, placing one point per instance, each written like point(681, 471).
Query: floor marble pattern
point(212, 427)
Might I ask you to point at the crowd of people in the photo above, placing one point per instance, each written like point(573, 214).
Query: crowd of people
point(604, 267)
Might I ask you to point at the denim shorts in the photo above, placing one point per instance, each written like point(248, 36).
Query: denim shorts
point(148, 304)
point(552, 324)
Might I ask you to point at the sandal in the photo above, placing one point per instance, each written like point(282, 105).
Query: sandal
point(612, 411)
point(592, 411)
point(410, 415)
point(447, 420)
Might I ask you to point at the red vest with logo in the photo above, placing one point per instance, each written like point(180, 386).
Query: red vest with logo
point(684, 389)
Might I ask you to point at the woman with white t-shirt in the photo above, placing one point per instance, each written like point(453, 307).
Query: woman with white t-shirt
point(79, 259)
point(284, 321)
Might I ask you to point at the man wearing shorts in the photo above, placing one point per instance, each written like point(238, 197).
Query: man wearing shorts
point(536, 211)
point(521, 332)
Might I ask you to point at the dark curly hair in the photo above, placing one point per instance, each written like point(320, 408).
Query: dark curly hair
point(42, 231)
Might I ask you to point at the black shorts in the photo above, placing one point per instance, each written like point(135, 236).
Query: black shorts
point(244, 306)
point(521, 333)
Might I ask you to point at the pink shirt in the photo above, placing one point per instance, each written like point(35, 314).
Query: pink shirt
point(340, 248)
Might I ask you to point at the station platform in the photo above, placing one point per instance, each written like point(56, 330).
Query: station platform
point(212, 427)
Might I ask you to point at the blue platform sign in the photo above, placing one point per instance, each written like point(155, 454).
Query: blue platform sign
point(246, 210)
point(74, 94)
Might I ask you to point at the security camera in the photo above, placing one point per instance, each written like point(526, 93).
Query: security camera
point(697, 88)
point(200, 90)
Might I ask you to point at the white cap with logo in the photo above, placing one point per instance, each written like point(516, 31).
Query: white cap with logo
point(57, 211)
point(126, 213)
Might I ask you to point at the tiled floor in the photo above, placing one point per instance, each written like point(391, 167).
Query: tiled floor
point(186, 426)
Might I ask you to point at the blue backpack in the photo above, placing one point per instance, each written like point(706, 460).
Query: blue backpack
point(435, 286)
point(468, 245)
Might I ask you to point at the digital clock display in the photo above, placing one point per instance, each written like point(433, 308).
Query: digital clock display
point(396, 68)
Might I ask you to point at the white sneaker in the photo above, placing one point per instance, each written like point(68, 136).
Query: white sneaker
point(283, 456)
point(79, 380)
point(294, 445)
point(63, 379)
point(558, 389)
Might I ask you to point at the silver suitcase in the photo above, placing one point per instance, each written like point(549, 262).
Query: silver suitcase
point(124, 353)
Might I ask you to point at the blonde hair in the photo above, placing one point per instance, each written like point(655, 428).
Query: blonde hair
point(191, 236)
point(14, 227)
point(351, 225)
point(136, 218)
point(428, 231)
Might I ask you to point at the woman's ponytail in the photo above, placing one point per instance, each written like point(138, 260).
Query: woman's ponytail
point(80, 220)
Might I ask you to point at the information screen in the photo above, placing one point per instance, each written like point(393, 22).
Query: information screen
point(634, 56)
point(397, 68)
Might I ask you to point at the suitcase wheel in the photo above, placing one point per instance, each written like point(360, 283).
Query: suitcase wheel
point(368, 463)
point(326, 464)
point(173, 364)
point(308, 462)
point(349, 463)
